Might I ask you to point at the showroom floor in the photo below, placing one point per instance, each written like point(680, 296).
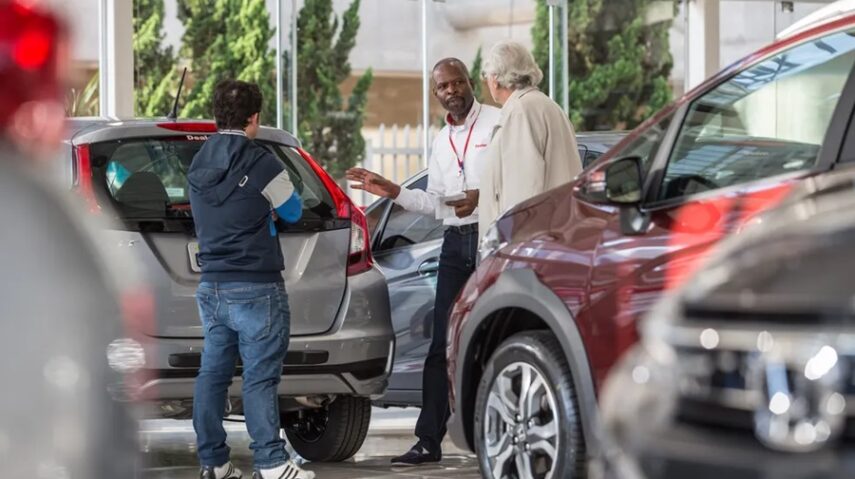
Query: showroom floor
point(169, 451)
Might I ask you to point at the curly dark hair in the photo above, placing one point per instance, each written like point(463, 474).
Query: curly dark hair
point(234, 102)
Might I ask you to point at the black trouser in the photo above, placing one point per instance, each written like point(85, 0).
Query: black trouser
point(456, 263)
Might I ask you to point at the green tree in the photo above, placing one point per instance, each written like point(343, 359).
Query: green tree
point(154, 64)
point(475, 73)
point(330, 129)
point(619, 64)
point(83, 101)
point(227, 39)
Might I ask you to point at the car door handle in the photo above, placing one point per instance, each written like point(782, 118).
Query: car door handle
point(429, 267)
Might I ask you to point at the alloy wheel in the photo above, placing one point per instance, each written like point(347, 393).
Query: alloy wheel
point(521, 436)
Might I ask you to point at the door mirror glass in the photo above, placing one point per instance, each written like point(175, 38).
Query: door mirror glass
point(623, 181)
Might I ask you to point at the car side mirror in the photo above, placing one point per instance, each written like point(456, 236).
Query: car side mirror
point(623, 184)
point(618, 182)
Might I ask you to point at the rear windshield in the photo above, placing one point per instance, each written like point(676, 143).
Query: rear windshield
point(146, 178)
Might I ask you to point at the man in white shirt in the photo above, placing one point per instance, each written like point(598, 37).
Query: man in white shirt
point(454, 170)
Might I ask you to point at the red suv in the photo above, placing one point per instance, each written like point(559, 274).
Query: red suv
point(565, 275)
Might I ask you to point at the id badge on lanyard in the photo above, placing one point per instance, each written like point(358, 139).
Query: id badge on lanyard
point(461, 161)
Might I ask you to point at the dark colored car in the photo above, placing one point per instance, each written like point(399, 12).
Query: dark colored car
point(747, 371)
point(72, 358)
point(406, 248)
point(341, 347)
point(566, 274)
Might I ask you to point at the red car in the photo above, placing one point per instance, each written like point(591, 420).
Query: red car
point(566, 274)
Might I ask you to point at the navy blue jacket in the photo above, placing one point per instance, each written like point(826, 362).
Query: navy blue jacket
point(235, 185)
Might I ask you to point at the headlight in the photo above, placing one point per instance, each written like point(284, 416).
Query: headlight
point(125, 356)
point(491, 243)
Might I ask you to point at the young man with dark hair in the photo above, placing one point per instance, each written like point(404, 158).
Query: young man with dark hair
point(237, 188)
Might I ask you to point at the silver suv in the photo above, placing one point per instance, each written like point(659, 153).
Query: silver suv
point(342, 342)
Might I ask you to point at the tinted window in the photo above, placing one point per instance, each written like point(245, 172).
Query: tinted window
point(588, 156)
point(317, 201)
point(768, 120)
point(404, 228)
point(373, 215)
point(647, 144)
point(147, 178)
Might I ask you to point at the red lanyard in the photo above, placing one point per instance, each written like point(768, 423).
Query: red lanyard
point(460, 160)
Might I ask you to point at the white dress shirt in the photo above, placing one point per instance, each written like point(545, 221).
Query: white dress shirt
point(445, 177)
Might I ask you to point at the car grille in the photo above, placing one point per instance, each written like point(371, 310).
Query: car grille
point(722, 370)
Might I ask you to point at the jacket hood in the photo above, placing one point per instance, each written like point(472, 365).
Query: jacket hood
point(218, 168)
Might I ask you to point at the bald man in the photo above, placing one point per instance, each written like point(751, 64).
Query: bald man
point(454, 169)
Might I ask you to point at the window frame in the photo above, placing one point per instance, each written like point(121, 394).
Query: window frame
point(829, 149)
point(414, 244)
point(674, 115)
point(387, 205)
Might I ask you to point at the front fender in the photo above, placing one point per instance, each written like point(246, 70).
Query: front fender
point(521, 288)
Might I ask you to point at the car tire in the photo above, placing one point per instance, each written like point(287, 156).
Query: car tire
point(552, 420)
point(333, 433)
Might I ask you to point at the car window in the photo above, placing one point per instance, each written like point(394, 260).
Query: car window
point(404, 228)
point(317, 201)
point(373, 215)
point(588, 155)
point(647, 144)
point(147, 177)
point(768, 120)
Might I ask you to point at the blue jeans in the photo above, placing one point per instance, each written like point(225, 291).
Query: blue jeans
point(250, 321)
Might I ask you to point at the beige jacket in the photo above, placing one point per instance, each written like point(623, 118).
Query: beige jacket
point(533, 150)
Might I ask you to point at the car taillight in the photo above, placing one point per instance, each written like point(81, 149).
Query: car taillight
point(83, 178)
point(341, 201)
point(359, 258)
point(189, 126)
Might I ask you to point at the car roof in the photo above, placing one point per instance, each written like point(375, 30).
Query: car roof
point(824, 15)
point(85, 130)
point(605, 138)
point(841, 22)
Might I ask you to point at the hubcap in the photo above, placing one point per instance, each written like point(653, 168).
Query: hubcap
point(311, 424)
point(521, 424)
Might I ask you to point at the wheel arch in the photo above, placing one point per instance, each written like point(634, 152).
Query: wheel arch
point(519, 302)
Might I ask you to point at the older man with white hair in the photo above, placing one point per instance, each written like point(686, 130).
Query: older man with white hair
point(533, 148)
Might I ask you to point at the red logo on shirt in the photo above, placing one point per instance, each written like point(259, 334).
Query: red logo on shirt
point(482, 145)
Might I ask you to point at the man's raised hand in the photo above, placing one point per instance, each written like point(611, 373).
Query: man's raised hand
point(372, 183)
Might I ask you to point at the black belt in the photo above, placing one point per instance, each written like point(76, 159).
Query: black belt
point(469, 229)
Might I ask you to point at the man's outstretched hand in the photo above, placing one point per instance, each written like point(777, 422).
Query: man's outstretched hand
point(372, 183)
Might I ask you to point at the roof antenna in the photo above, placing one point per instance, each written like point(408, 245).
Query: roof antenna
point(173, 115)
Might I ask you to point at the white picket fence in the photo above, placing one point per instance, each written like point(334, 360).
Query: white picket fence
point(394, 152)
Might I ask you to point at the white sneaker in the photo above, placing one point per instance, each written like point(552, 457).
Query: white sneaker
point(289, 470)
point(226, 471)
point(293, 454)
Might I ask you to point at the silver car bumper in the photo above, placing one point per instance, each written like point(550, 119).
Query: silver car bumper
point(353, 358)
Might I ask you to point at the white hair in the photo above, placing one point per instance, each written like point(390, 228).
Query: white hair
point(512, 65)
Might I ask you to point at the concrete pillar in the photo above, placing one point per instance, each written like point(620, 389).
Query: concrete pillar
point(703, 32)
point(116, 58)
